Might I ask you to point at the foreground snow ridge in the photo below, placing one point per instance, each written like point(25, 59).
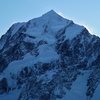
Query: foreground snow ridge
point(49, 58)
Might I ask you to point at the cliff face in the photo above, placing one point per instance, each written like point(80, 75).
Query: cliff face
point(49, 58)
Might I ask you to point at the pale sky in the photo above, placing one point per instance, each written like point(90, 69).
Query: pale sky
point(83, 12)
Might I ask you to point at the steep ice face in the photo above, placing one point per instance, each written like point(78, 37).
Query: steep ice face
point(73, 30)
point(48, 24)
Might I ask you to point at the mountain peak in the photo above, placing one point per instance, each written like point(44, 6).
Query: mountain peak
point(51, 13)
point(50, 55)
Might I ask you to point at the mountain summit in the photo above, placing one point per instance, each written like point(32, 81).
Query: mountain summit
point(51, 13)
point(49, 58)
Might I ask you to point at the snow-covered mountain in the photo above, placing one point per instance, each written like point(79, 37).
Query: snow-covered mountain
point(49, 58)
